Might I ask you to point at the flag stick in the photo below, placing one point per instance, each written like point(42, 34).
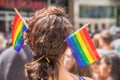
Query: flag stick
point(16, 10)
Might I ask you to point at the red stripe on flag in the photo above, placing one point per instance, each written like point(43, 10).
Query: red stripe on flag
point(87, 45)
point(16, 26)
point(13, 27)
point(90, 42)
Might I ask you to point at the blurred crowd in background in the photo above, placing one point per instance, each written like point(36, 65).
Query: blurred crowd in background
point(106, 41)
point(108, 47)
point(4, 43)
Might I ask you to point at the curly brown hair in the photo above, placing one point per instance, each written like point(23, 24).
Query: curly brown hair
point(46, 35)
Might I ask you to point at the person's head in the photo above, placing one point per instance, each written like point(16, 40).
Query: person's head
point(105, 38)
point(95, 39)
point(46, 35)
point(109, 67)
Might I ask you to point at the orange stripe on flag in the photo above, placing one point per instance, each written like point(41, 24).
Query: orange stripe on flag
point(15, 27)
point(87, 45)
point(91, 43)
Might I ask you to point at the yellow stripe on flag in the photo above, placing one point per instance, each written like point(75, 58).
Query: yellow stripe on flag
point(84, 47)
point(17, 31)
point(87, 45)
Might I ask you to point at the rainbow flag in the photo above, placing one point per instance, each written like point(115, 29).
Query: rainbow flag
point(18, 28)
point(82, 47)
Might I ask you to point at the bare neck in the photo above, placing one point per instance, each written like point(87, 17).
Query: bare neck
point(64, 74)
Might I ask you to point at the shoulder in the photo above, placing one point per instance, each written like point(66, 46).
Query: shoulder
point(9, 53)
point(6, 52)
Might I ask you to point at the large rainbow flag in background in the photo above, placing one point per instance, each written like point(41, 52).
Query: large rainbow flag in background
point(18, 28)
point(82, 47)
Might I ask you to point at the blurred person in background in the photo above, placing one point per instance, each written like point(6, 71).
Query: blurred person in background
point(95, 65)
point(12, 62)
point(72, 67)
point(3, 42)
point(94, 68)
point(9, 43)
point(116, 43)
point(108, 67)
point(95, 40)
point(113, 30)
point(105, 40)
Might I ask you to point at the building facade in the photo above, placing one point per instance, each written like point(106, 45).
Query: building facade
point(100, 14)
point(25, 7)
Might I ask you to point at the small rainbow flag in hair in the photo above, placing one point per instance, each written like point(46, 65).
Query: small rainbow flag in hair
point(18, 28)
point(82, 47)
